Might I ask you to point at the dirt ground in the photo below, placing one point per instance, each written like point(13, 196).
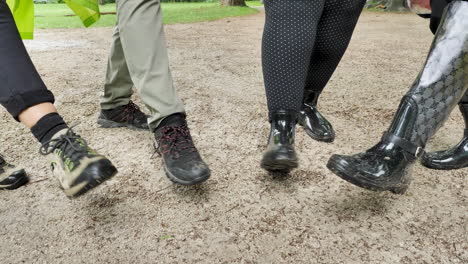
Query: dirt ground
point(242, 214)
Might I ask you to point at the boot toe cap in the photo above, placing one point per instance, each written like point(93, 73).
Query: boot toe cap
point(190, 174)
point(14, 180)
point(281, 160)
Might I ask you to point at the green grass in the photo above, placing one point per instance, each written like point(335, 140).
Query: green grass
point(52, 15)
point(254, 3)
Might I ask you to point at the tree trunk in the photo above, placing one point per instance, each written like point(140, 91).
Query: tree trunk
point(396, 5)
point(102, 2)
point(233, 2)
point(389, 5)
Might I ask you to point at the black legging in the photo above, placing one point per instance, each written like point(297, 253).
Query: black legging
point(438, 7)
point(303, 42)
point(20, 84)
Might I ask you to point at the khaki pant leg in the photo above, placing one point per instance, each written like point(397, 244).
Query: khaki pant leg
point(144, 46)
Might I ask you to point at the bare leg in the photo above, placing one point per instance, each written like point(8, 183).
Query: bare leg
point(33, 114)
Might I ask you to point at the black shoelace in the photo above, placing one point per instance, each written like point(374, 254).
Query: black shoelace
point(132, 111)
point(70, 139)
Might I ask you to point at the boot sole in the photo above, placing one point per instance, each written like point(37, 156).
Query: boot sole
point(354, 177)
point(176, 180)
point(316, 137)
point(20, 181)
point(94, 175)
point(280, 165)
point(433, 166)
point(112, 124)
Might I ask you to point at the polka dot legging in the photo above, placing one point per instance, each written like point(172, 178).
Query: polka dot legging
point(303, 42)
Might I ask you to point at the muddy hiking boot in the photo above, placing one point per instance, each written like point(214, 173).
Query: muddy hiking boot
point(181, 160)
point(313, 122)
point(455, 157)
point(422, 111)
point(77, 167)
point(11, 177)
point(280, 155)
point(128, 115)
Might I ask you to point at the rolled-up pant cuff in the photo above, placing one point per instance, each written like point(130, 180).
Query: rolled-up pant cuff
point(20, 102)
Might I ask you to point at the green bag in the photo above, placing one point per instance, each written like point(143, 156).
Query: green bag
point(23, 12)
point(87, 10)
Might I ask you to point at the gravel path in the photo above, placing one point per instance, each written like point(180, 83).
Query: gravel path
point(243, 214)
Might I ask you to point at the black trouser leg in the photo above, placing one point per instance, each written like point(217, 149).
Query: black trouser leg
point(334, 33)
point(288, 40)
point(20, 84)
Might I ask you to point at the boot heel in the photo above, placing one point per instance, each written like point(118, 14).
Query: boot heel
point(280, 155)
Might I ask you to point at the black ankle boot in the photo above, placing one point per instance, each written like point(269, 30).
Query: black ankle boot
point(454, 158)
point(439, 87)
point(314, 123)
point(280, 154)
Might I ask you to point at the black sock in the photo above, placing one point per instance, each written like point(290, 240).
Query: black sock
point(48, 126)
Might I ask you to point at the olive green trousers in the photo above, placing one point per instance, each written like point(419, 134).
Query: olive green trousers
point(139, 59)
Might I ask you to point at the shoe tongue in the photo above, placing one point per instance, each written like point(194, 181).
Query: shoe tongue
point(60, 133)
point(173, 120)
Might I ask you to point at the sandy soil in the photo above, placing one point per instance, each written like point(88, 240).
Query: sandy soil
point(243, 214)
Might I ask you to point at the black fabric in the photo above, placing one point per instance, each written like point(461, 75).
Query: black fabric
point(303, 42)
point(20, 85)
point(464, 100)
point(176, 119)
point(47, 127)
point(437, 7)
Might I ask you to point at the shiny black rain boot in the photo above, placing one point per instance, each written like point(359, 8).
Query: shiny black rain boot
point(437, 90)
point(454, 158)
point(280, 155)
point(314, 123)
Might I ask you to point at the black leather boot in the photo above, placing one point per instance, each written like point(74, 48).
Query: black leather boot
point(280, 155)
point(437, 90)
point(314, 123)
point(454, 158)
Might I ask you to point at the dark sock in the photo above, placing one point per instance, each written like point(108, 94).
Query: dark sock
point(48, 126)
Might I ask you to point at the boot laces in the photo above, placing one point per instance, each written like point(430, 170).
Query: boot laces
point(69, 142)
point(132, 111)
point(173, 140)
